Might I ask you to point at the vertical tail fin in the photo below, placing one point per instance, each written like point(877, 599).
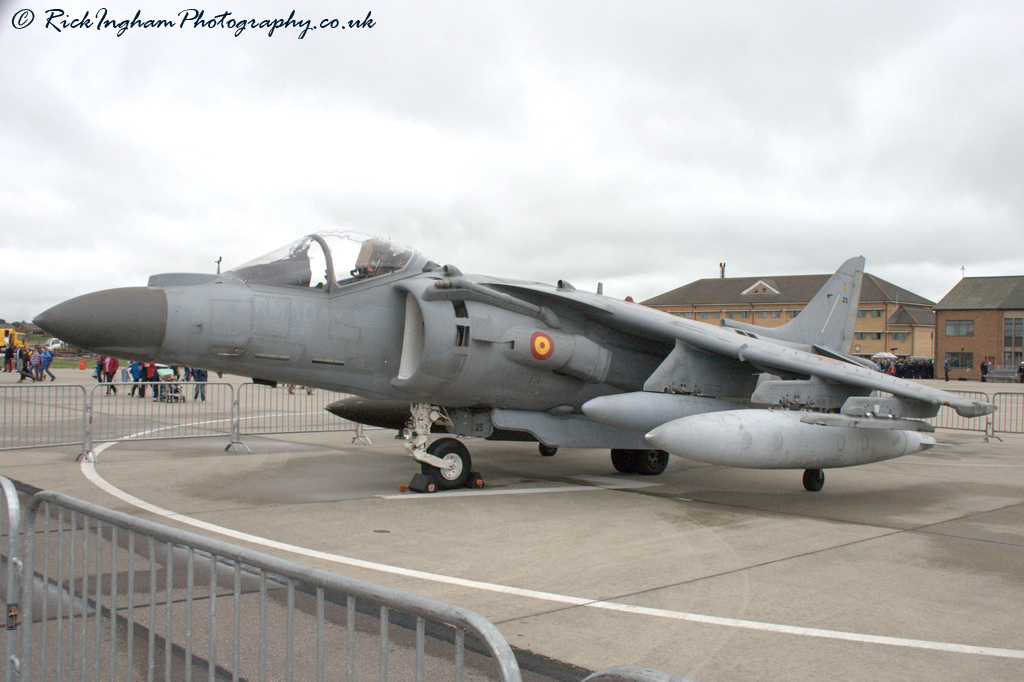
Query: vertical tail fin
point(828, 320)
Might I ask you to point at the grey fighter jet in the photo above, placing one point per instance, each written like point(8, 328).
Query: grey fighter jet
point(427, 349)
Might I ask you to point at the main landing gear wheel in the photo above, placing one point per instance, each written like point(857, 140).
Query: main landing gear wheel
point(643, 462)
point(625, 461)
point(814, 479)
point(547, 450)
point(451, 451)
point(652, 462)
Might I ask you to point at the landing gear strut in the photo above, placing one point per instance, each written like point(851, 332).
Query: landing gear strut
point(814, 479)
point(445, 463)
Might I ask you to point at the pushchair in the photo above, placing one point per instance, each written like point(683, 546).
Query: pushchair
point(168, 390)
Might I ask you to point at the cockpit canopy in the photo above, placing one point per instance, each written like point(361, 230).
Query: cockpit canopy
point(328, 259)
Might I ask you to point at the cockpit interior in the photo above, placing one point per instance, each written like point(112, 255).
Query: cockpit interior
point(327, 260)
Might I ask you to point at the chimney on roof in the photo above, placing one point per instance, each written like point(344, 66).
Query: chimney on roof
point(721, 270)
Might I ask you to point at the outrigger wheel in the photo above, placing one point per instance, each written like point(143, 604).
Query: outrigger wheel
point(454, 452)
point(644, 462)
point(814, 480)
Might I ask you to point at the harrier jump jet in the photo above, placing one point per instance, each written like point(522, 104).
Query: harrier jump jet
point(427, 349)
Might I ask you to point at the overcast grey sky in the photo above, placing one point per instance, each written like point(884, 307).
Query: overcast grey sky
point(638, 144)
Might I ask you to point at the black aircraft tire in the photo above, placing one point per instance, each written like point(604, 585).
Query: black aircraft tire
point(814, 480)
point(626, 461)
point(447, 449)
point(547, 450)
point(652, 462)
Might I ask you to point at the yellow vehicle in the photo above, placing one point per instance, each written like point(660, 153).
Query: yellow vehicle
point(12, 337)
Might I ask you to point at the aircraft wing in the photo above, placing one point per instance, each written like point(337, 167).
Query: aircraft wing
point(768, 355)
point(764, 354)
point(780, 359)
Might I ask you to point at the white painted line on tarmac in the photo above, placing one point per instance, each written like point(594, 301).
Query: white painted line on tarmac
point(89, 470)
point(616, 483)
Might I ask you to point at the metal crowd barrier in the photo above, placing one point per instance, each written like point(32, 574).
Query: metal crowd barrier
point(1009, 418)
point(60, 414)
point(53, 415)
point(265, 409)
point(117, 597)
point(947, 418)
point(105, 595)
point(42, 416)
point(11, 514)
point(164, 409)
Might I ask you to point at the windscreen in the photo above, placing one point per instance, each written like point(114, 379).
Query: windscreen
point(355, 257)
point(299, 264)
point(360, 257)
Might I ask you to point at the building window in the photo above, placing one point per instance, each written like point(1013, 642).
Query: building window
point(900, 336)
point(762, 314)
point(959, 327)
point(960, 360)
point(862, 336)
point(869, 313)
point(731, 314)
point(688, 316)
point(776, 314)
point(703, 316)
point(717, 314)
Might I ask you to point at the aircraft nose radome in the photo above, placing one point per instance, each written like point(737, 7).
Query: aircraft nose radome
point(132, 318)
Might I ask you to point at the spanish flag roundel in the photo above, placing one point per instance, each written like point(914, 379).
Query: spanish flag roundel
point(541, 346)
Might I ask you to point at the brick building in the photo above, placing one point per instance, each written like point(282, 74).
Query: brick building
point(980, 319)
point(889, 318)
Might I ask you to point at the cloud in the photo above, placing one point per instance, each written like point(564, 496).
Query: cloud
point(637, 145)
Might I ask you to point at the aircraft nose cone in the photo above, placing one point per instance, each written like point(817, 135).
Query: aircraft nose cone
point(129, 321)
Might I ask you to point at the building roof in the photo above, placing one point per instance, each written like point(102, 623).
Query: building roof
point(985, 293)
point(792, 289)
point(913, 315)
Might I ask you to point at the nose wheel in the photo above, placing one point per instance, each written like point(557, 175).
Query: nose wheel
point(455, 455)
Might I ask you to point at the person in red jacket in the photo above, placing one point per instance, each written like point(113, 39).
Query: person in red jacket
point(110, 366)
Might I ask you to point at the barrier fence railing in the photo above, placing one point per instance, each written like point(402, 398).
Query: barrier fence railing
point(10, 526)
point(104, 595)
point(947, 418)
point(265, 409)
point(60, 414)
point(42, 416)
point(117, 597)
point(52, 415)
point(167, 410)
point(1009, 418)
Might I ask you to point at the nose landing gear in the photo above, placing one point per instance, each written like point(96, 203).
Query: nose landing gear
point(445, 463)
